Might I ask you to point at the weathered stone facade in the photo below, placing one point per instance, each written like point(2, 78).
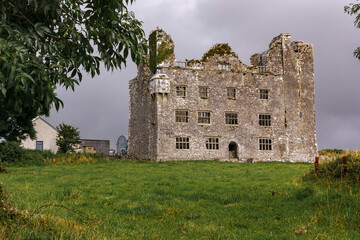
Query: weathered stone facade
point(218, 108)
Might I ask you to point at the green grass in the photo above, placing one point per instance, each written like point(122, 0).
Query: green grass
point(180, 200)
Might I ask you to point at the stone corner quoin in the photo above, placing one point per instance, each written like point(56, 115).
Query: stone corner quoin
point(218, 108)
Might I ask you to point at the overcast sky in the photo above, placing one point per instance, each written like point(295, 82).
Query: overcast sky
point(99, 106)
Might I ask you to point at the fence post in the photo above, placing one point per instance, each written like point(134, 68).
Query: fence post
point(316, 166)
point(344, 170)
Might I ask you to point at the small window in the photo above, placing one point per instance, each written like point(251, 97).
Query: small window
point(224, 67)
point(265, 120)
point(262, 69)
point(181, 91)
point(231, 93)
point(265, 144)
point(212, 143)
point(181, 116)
point(182, 143)
point(39, 145)
point(204, 117)
point(204, 92)
point(231, 118)
point(264, 94)
point(181, 64)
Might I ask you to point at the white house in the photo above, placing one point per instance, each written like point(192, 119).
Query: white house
point(45, 136)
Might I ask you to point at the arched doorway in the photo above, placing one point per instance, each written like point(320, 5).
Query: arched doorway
point(233, 150)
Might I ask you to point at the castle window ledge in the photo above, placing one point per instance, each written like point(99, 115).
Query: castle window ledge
point(204, 124)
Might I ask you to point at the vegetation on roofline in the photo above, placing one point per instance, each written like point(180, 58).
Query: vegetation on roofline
point(164, 52)
point(159, 54)
point(220, 49)
point(192, 62)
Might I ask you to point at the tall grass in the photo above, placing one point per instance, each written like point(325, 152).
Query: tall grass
point(331, 167)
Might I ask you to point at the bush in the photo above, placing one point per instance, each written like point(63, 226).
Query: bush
point(11, 152)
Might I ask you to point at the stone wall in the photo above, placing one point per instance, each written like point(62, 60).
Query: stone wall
point(285, 70)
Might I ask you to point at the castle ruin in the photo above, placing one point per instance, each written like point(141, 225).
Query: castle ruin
point(218, 108)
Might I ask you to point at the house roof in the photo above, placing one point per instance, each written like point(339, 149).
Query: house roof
point(38, 117)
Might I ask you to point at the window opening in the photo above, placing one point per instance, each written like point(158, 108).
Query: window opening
point(181, 64)
point(203, 92)
point(181, 91)
point(39, 145)
point(262, 69)
point(265, 144)
point(182, 143)
point(224, 67)
point(212, 143)
point(231, 93)
point(204, 117)
point(181, 116)
point(264, 94)
point(265, 120)
point(231, 118)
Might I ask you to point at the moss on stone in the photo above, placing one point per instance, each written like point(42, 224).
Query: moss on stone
point(220, 49)
point(164, 52)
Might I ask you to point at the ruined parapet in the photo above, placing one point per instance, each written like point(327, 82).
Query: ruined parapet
point(161, 50)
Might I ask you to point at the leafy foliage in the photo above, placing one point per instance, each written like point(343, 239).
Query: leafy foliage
point(45, 44)
point(354, 9)
point(11, 151)
point(68, 138)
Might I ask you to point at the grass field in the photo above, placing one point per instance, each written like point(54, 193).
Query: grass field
point(180, 200)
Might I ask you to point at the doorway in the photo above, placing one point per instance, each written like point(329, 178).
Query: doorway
point(233, 150)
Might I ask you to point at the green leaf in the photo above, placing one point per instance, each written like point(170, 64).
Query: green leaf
point(27, 76)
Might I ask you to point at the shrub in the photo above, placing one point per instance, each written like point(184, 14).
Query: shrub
point(11, 152)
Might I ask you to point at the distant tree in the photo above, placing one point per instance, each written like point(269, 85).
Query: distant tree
point(68, 138)
point(354, 9)
point(50, 43)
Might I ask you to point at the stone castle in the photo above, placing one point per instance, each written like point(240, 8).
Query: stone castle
point(218, 108)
